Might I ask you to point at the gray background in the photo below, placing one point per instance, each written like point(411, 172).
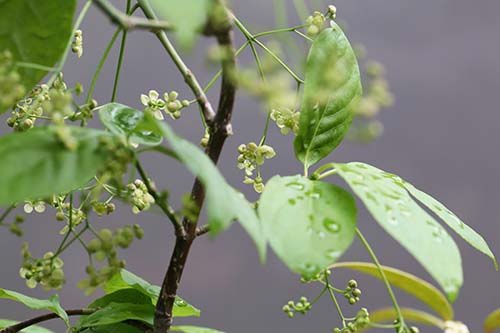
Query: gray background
point(442, 59)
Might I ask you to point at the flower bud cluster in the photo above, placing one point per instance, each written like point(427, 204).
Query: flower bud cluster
point(104, 247)
point(169, 104)
point(77, 44)
point(101, 208)
point(251, 157)
point(315, 23)
point(360, 322)
point(352, 292)
point(139, 196)
point(14, 226)
point(302, 306)
point(286, 119)
point(11, 88)
point(46, 271)
point(52, 101)
point(119, 157)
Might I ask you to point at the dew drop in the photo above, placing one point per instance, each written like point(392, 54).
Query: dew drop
point(321, 234)
point(181, 303)
point(291, 201)
point(333, 254)
point(296, 186)
point(331, 226)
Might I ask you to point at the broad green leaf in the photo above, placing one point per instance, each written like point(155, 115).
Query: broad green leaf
point(123, 120)
point(332, 91)
point(37, 32)
point(128, 295)
point(36, 164)
point(453, 221)
point(112, 328)
point(125, 280)
point(392, 207)
point(32, 329)
point(52, 304)
point(194, 329)
point(410, 283)
point(309, 224)
point(492, 322)
point(187, 16)
point(118, 312)
point(388, 315)
point(224, 203)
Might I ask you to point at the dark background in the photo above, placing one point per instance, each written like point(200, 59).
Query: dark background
point(442, 60)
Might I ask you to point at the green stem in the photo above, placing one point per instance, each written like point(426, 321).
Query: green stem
point(384, 278)
point(189, 77)
point(101, 64)
point(120, 55)
point(334, 299)
point(70, 41)
point(6, 213)
point(35, 66)
point(248, 35)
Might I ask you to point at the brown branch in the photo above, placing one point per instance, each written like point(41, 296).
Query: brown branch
point(220, 129)
point(33, 321)
point(202, 230)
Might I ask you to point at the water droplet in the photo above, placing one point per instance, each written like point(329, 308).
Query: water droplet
point(333, 254)
point(291, 201)
point(321, 234)
point(331, 226)
point(314, 194)
point(308, 270)
point(310, 217)
point(181, 303)
point(296, 186)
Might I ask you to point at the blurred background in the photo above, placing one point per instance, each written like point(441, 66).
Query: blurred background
point(442, 62)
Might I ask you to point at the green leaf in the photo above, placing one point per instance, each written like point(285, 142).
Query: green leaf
point(309, 224)
point(36, 32)
point(492, 322)
point(118, 312)
point(123, 120)
point(32, 329)
point(113, 328)
point(36, 164)
point(453, 221)
point(388, 315)
point(194, 329)
point(52, 304)
point(392, 207)
point(332, 91)
point(126, 280)
point(187, 16)
point(128, 295)
point(413, 285)
point(224, 204)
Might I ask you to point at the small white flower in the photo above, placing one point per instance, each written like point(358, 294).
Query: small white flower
point(455, 327)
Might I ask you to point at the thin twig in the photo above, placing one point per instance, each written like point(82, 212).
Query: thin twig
point(202, 230)
point(129, 22)
point(189, 77)
point(33, 321)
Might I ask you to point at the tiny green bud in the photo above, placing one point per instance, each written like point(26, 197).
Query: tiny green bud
point(356, 292)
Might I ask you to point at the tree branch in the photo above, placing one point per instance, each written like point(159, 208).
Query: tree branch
point(33, 321)
point(220, 129)
point(129, 22)
point(189, 78)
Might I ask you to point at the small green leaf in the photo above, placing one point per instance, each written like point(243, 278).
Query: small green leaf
point(118, 312)
point(36, 164)
point(309, 224)
point(224, 204)
point(128, 295)
point(194, 329)
point(332, 91)
point(123, 120)
point(453, 221)
point(388, 315)
point(392, 207)
point(36, 32)
point(32, 329)
point(413, 285)
point(187, 16)
point(492, 322)
point(52, 304)
point(126, 280)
